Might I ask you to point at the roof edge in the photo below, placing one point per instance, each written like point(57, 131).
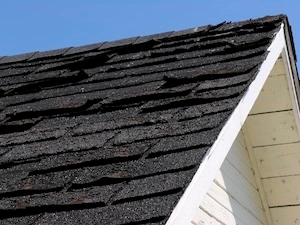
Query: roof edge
point(103, 46)
point(186, 208)
point(289, 32)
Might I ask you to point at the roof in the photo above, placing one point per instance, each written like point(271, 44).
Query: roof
point(114, 132)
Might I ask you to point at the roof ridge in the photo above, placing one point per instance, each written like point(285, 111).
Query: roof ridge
point(101, 46)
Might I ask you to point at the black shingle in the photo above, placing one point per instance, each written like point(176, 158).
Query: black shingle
point(155, 210)
point(96, 195)
point(17, 58)
point(33, 184)
point(85, 48)
point(118, 43)
point(49, 54)
point(112, 133)
point(155, 37)
point(186, 32)
point(154, 185)
point(50, 147)
point(16, 71)
point(20, 220)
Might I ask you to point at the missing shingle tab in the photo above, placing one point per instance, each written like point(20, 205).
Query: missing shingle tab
point(115, 132)
point(59, 80)
point(18, 126)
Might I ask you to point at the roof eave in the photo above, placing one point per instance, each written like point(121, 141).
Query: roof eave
point(186, 208)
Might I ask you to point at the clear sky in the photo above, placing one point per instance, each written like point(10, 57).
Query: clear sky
point(38, 25)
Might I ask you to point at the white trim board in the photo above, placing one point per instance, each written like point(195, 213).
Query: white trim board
point(186, 208)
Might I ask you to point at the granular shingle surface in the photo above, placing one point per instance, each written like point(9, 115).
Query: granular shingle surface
point(112, 133)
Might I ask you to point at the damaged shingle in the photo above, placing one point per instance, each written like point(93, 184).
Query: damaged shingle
point(113, 132)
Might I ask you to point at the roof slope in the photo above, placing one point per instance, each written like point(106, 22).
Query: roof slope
point(113, 133)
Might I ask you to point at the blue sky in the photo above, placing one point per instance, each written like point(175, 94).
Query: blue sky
point(35, 25)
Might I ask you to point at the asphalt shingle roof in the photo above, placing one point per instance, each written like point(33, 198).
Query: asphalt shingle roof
point(112, 133)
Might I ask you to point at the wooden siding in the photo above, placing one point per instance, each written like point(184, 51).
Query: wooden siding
point(278, 160)
point(275, 142)
point(233, 197)
point(276, 128)
point(287, 186)
point(277, 99)
point(238, 195)
point(289, 215)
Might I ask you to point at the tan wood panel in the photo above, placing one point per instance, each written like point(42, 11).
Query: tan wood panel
point(286, 215)
point(272, 128)
point(274, 96)
point(278, 160)
point(282, 191)
point(278, 68)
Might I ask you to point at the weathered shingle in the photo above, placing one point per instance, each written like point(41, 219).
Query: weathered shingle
point(17, 58)
point(112, 133)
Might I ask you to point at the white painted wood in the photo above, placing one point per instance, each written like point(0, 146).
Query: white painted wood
point(241, 141)
point(286, 215)
point(203, 218)
point(282, 191)
point(221, 214)
point(244, 211)
point(274, 96)
point(240, 190)
point(278, 160)
point(253, 161)
point(247, 183)
point(238, 162)
point(195, 192)
point(233, 192)
point(237, 154)
point(272, 128)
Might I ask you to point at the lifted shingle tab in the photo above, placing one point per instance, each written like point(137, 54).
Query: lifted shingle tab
point(132, 117)
point(188, 31)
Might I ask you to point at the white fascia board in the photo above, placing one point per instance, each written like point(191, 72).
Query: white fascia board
point(186, 208)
